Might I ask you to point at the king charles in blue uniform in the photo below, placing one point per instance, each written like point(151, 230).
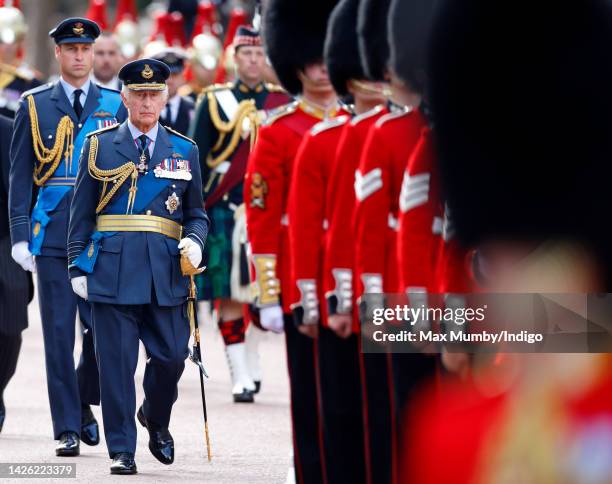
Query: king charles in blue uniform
point(50, 128)
point(137, 207)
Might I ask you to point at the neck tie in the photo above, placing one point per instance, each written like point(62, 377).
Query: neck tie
point(78, 107)
point(143, 166)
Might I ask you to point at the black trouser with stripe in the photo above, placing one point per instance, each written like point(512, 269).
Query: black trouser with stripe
point(302, 363)
point(341, 408)
point(378, 416)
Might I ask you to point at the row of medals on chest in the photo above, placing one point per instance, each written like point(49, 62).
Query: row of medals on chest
point(173, 201)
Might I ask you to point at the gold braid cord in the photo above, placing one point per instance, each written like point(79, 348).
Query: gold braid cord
point(116, 176)
point(246, 110)
point(45, 156)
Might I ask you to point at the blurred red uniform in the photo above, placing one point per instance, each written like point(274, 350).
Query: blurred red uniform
point(378, 182)
point(420, 220)
point(340, 206)
point(307, 212)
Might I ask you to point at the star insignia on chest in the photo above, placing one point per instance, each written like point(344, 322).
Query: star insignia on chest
point(173, 203)
point(142, 166)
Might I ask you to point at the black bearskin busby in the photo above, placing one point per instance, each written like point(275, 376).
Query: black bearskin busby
point(373, 39)
point(341, 51)
point(409, 27)
point(294, 34)
point(521, 97)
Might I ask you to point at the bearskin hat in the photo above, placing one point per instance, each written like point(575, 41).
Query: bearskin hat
point(520, 93)
point(341, 51)
point(294, 34)
point(409, 27)
point(373, 39)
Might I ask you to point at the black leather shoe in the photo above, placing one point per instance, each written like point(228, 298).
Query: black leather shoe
point(123, 464)
point(2, 413)
point(161, 443)
point(245, 397)
point(257, 386)
point(69, 445)
point(90, 433)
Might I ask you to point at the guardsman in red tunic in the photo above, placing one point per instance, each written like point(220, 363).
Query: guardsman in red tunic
point(338, 348)
point(378, 182)
point(294, 36)
point(225, 127)
point(339, 257)
point(420, 220)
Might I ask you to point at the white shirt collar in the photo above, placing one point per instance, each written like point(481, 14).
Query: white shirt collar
point(174, 101)
point(151, 134)
point(69, 90)
point(112, 84)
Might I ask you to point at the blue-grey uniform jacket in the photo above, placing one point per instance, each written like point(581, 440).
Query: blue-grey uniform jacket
point(46, 226)
point(126, 267)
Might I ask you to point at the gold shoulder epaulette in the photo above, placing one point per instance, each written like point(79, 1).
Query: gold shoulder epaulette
point(329, 124)
point(217, 87)
point(180, 135)
point(102, 130)
point(212, 88)
point(281, 112)
point(274, 88)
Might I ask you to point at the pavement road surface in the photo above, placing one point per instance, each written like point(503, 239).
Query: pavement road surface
point(251, 443)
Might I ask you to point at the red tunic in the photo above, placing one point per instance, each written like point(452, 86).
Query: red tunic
point(308, 223)
point(453, 273)
point(266, 189)
point(339, 258)
point(377, 189)
point(420, 220)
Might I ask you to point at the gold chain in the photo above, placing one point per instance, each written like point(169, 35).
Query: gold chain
point(115, 175)
point(45, 156)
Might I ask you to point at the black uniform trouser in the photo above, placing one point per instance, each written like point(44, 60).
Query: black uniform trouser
point(378, 416)
point(341, 408)
point(10, 344)
point(302, 362)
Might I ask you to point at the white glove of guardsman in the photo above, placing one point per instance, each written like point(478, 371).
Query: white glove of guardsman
point(192, 250)
point(79, 286)
point(271, 318)
point(22, 255)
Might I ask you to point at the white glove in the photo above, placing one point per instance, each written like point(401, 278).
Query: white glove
point(271, 318)
point(79, 286)
point(22, 255)
point(191, 250)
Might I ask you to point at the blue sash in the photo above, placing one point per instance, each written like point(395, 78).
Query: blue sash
point(50, 196)
point(149, 187)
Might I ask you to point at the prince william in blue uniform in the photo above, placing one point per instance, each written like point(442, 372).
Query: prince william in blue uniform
point(50, 128)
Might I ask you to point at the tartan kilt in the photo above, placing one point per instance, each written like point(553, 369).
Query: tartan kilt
point(218, 256)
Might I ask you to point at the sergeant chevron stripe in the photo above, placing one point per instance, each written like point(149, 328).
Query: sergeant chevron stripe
point(415, 191)
point(368, 184)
